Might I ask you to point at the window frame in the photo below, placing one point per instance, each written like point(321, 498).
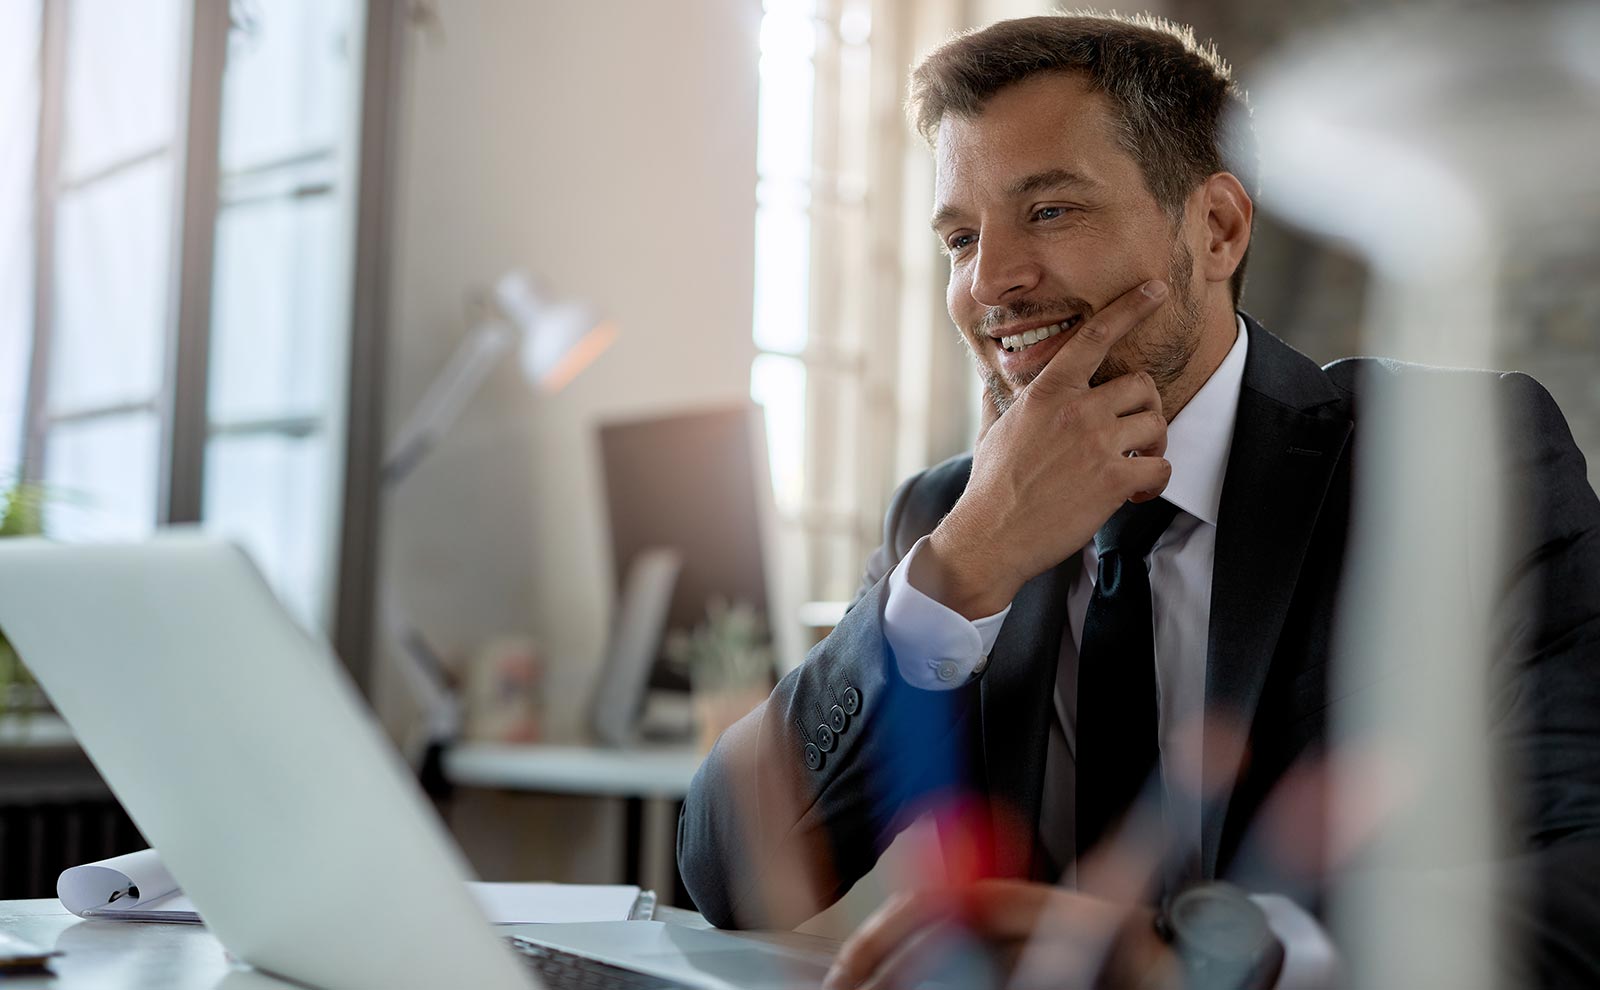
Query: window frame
point(181, 402)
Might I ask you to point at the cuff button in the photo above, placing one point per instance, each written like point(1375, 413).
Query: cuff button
point(825, 738)
point(837, 718)
point(813, 757)
point(852, 701)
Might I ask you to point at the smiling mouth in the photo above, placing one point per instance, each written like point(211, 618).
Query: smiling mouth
point(1027, 338)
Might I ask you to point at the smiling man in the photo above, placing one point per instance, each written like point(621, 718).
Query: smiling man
point(1097, 650)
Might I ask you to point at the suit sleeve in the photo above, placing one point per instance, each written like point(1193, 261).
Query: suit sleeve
point(798, 798)
point(1547, 711)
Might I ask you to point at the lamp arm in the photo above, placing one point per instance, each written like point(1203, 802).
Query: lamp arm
point(477, 355)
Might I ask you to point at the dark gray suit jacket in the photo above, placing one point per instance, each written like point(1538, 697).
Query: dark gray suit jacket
point(775, 829)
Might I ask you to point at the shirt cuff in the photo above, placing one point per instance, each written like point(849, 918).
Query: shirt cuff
point(1309, 959)
point(935, 647)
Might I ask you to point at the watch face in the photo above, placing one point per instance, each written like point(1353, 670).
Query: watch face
point(1220, 922)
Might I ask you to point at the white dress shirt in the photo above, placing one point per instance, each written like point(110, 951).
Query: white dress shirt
point(936, 648)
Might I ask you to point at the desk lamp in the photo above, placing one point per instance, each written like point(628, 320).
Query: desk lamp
point(555, 341)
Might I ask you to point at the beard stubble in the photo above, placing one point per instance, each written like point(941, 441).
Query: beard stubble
point(1164, 355)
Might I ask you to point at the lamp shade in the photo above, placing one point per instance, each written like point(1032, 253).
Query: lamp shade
point(555, 341)
point(558, 339)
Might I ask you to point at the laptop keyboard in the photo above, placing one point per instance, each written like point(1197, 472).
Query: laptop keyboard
point(560, 970)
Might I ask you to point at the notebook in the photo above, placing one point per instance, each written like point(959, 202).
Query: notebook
point(137, 887)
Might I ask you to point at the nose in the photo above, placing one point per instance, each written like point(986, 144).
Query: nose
point(1004, 270)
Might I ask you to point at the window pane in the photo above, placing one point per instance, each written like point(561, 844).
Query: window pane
point(270, 493)
point(100, 475)
point(788, 79)
point(288, 81)
point(113, 254)
point(778, 385)
point(783, 279)
point(122, 65)
point(19, 129)
point(274, 331)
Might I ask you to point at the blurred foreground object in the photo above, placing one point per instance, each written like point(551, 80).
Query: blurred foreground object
point(1441, 146)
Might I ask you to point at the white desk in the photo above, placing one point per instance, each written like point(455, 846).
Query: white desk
point(643, 772)
point(129, 955)
point(111, 955)
point(633, 775)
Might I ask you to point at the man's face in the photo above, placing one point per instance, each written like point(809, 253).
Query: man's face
point(1046, 220)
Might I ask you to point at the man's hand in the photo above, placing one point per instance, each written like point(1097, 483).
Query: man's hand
point(1052, 470)
point(1059, 938)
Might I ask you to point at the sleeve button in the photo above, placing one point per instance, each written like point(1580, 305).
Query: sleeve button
point(852, 701)
point(837, 718)
point(813, 757)
point(825, 738)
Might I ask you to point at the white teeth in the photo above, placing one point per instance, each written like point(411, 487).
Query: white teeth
point(1028, 338)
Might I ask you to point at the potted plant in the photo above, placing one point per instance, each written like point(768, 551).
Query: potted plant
point(729, 661)
point(20, 515)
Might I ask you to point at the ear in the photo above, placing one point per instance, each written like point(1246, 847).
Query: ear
point(1227, 210)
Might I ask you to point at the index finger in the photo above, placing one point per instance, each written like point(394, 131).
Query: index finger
point(1078, 359)
point(888, 928)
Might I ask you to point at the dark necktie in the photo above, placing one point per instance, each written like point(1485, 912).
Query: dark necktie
point(1117, 718)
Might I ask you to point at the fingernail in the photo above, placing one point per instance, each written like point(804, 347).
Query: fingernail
point(834, 980)
point(1155, 288)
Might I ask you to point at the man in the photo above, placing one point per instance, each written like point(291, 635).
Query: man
point(1098, 648)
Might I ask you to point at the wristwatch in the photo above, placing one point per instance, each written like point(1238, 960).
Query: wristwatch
point(1221, 937)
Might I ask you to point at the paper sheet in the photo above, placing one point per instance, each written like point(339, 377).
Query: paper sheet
point(87, 891)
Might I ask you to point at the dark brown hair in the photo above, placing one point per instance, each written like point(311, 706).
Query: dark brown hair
point(1178, 112)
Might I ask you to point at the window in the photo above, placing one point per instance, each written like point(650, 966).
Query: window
point(109, 170)
point(861, 378)
point(178, 183)
point(280, 313)
point(19, 126)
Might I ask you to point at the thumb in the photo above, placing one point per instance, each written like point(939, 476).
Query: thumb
point(991, 416)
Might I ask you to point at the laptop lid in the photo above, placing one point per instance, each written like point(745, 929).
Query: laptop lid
point(243, 752)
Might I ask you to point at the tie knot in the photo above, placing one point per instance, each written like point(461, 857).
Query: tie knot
point(1134, 529)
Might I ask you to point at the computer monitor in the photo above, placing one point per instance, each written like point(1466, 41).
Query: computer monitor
point(698, 483)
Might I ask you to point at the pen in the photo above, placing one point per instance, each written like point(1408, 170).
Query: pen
point(132, 891)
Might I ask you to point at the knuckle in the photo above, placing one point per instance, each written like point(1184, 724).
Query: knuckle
point(1070, 414)
point(1095, 332)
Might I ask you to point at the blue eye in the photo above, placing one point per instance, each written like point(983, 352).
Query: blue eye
point(1053, 211)
point(960, 241)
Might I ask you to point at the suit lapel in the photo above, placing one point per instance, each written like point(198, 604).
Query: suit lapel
point(1017, 705)
point(1281, 461)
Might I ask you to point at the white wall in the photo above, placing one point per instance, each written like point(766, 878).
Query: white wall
point(608, 147)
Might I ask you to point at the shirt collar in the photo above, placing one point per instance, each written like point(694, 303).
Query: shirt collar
point(1199, 438)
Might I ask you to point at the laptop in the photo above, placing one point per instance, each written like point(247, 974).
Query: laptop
point(244, 753)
